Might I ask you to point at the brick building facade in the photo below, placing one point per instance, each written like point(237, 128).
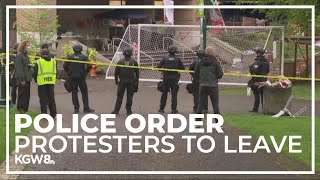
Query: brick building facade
point(81, 21)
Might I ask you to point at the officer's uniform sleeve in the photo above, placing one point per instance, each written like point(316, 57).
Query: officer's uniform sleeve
point(66, 64)
point(197, 71)
point(35, 72)
point(181, 66)
point(192, 66)
point(88, 66)
point(136, 70)
point(117, 72)
point(268, 67)
point(161, 64)
point(251, 68)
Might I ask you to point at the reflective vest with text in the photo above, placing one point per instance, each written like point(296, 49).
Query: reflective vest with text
point(47, 72)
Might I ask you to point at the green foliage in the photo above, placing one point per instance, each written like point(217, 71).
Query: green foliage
point(92, 54)
point(42, 26)
point(295, 20)
point(67, 50)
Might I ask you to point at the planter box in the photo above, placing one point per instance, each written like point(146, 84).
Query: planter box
point(275, 99)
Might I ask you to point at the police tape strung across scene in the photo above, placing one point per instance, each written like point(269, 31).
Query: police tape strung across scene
point(97, 63)
point(135, 124)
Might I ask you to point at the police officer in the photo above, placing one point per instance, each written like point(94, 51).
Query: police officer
point(259, 67)
point(127, 79)
point(45, 74)
point(209, 71)
point(13, 80)
point(77, 73)
point(170, 79)
point(195, 82)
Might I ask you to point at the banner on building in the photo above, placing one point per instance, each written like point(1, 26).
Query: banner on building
point(168, 13)
point(216, 17)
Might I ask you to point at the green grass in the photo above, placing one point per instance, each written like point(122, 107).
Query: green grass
point(298, 91)
point(257, 125)
point(11, 130)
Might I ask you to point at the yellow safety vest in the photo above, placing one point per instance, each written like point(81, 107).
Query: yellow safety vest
point(47, 72)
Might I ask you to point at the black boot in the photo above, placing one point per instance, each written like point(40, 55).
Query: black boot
point(174, 111)
point(89, 110)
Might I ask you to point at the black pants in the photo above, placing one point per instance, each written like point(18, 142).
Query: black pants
point(80, 83)
point(23, 97)
point(213, 93)
point(196, 98)
point(122, 87)
point(170, 85)
point(14, 88)
point(258, 94)
point(46, 98)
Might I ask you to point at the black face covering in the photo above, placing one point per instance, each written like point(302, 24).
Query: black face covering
point(46, 57)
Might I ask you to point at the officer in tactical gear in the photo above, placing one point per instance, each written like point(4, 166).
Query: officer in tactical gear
point(44, 74)
point(195, 82)
point(127, 79)
point(77, 73)
point(45, 46)
point(259, 67)
point(170, 79)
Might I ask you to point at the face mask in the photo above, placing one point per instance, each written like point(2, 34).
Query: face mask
point(28, 48)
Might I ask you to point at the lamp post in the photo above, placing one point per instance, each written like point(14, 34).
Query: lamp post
point(204, 23)
point(2, 65)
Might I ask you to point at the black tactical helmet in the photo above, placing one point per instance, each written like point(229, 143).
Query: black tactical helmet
point(172, 49)
point(77, 48)
point(259, 50)
point(45, 52)
point(15, 47)
point(200, 53)
point(127, 52)
point(44, 45)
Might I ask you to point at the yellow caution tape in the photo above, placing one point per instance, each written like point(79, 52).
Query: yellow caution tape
point(174, 70)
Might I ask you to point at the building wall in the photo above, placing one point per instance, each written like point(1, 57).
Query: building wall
point(23, 23)
point(81, 21)
point(185, 16)
point(12, 19)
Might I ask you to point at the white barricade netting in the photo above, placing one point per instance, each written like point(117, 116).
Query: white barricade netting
point(233, 47)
